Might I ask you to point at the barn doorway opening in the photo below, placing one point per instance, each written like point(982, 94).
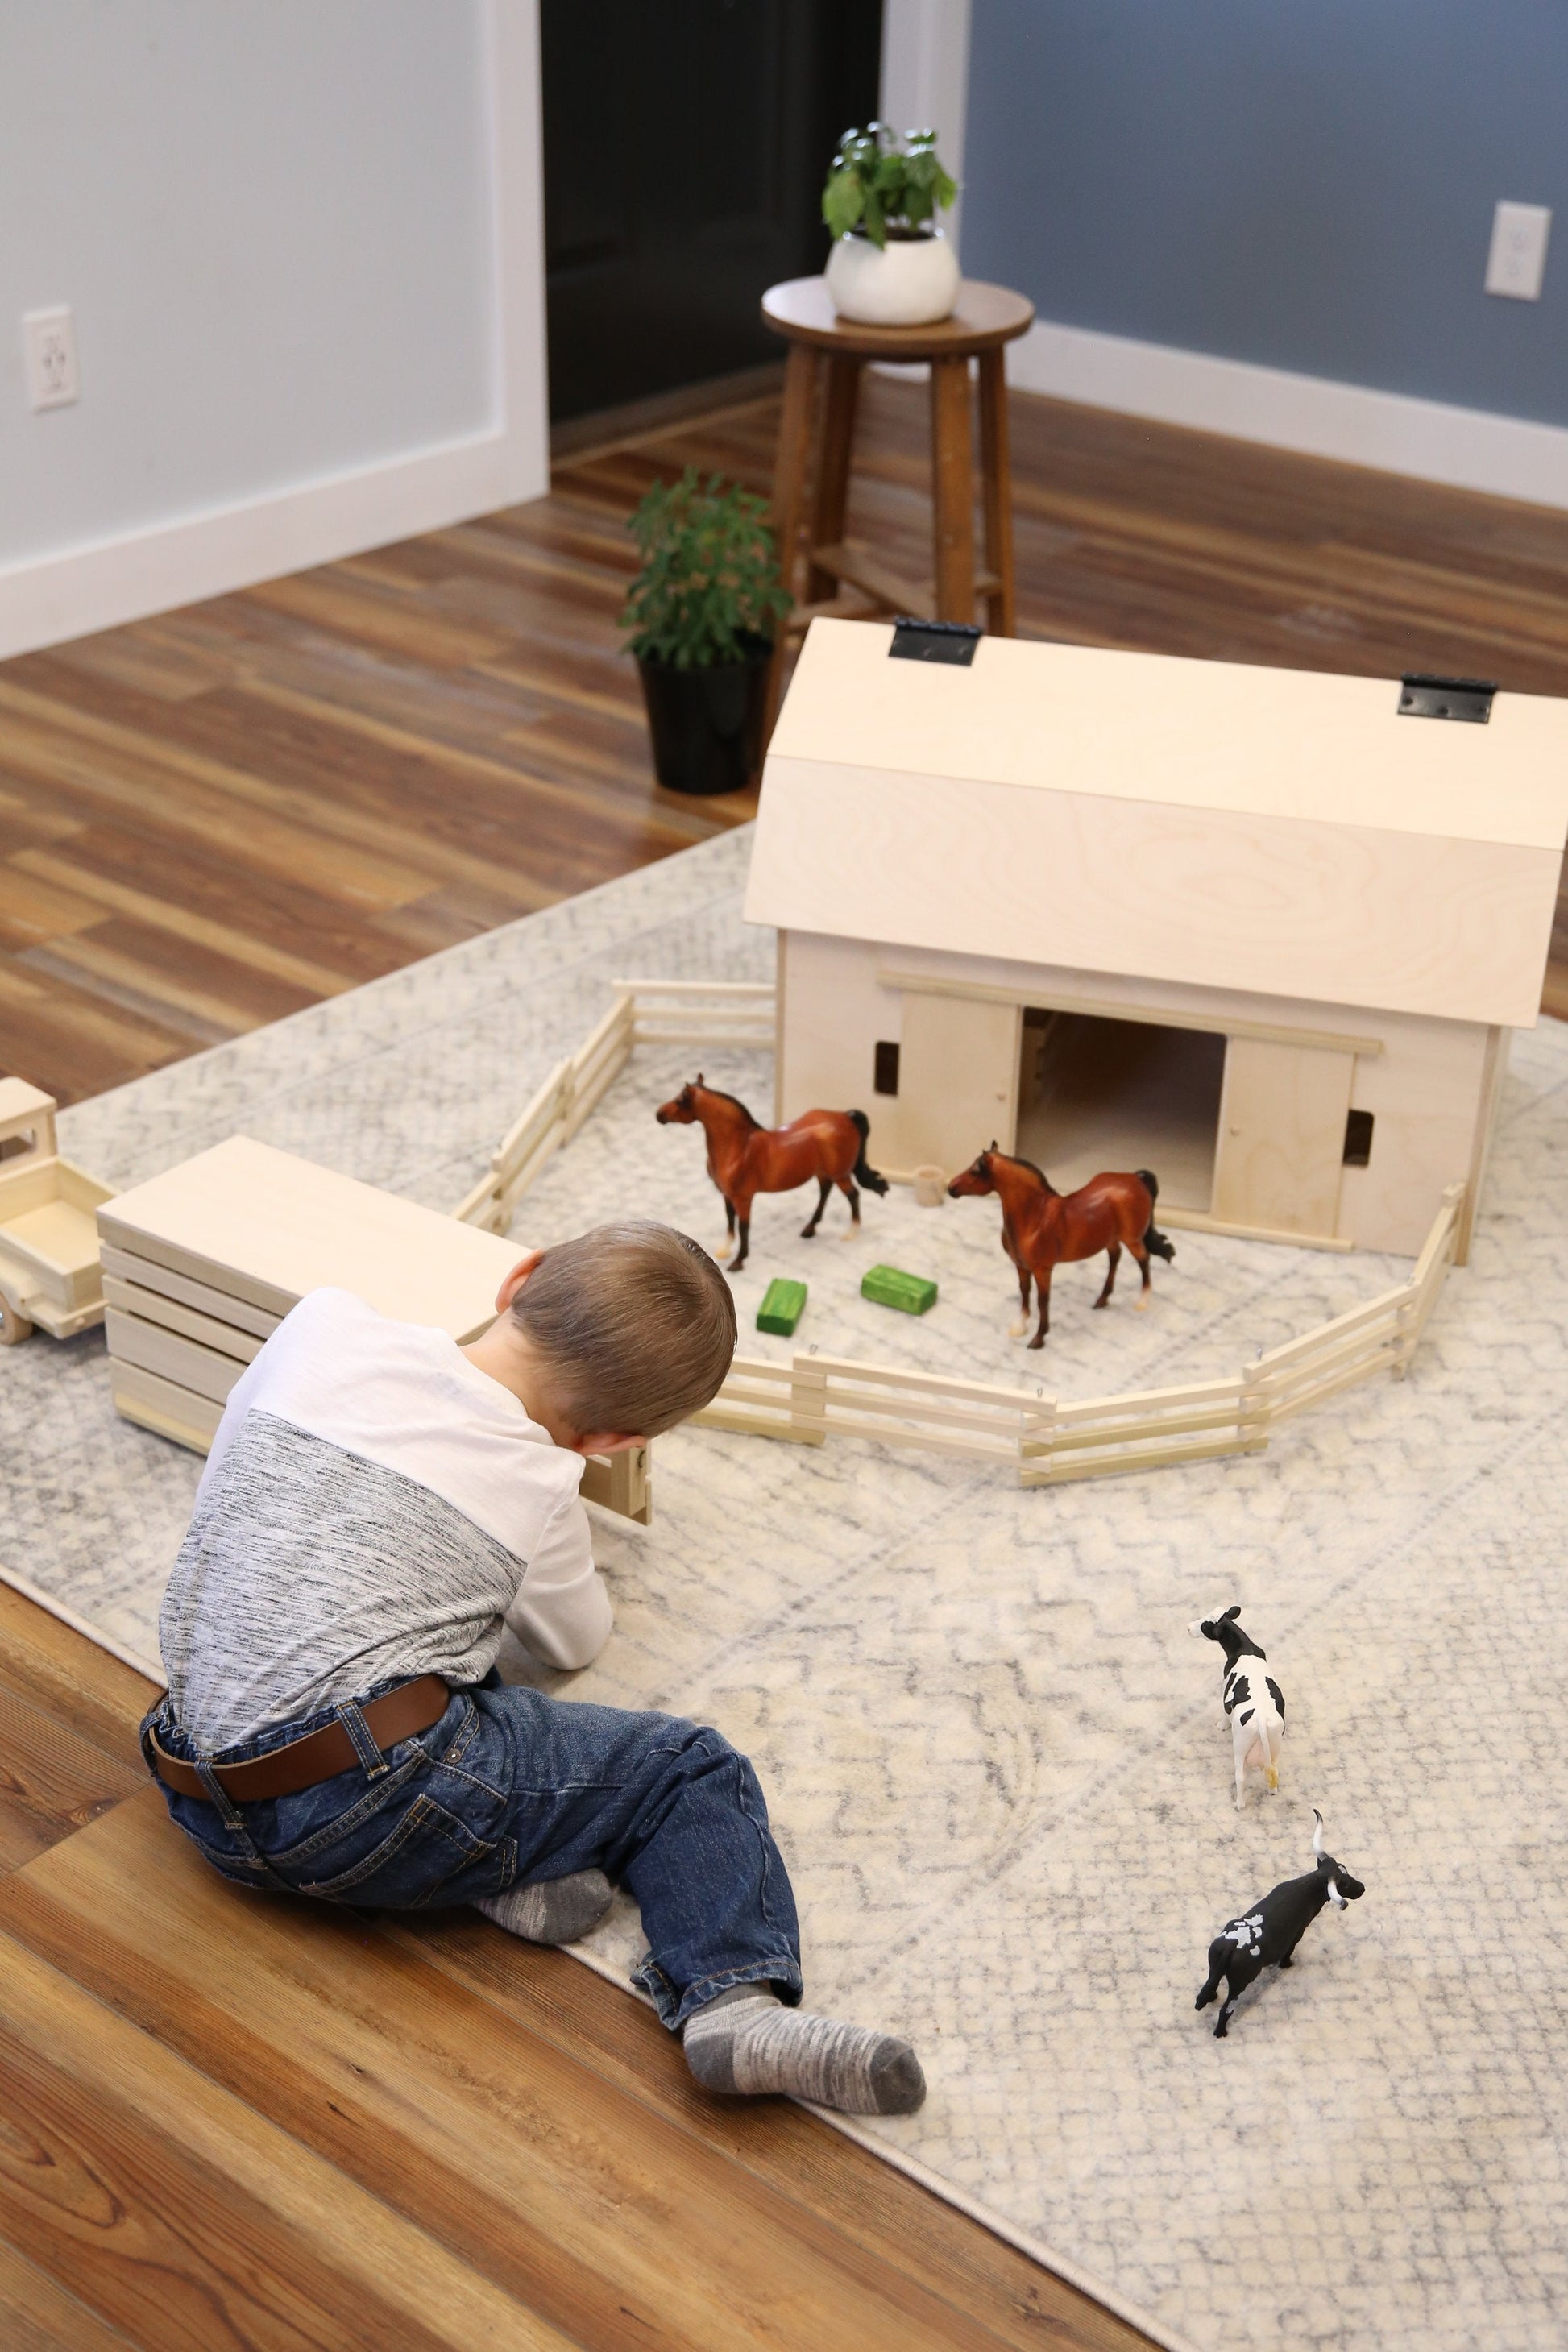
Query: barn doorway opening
point(1097, 1094)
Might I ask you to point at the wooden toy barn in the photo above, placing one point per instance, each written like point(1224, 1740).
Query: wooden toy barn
point(1263, 931)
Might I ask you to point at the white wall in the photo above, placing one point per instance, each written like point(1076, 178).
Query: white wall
point(302, 240)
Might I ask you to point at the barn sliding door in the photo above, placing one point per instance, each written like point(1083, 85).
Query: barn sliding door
point(958, 1079)
point(1281, 1136)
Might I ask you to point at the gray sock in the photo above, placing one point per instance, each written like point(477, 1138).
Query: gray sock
point(551, 1910)
point(746, 2041)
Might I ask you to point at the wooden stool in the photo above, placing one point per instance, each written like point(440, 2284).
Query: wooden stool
point(822, 343)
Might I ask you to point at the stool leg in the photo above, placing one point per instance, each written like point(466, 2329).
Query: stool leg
point(953, 490)
point(1001, 602)
point(832, 503)
point(789, 498)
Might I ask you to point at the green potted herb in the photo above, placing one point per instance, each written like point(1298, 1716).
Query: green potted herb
point(700, 618)
point(890, 264)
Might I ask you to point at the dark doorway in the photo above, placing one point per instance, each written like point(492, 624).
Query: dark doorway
point(1096, 1093)
point(685, 142)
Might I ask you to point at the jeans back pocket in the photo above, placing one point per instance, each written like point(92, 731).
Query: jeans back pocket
point(409, 1865)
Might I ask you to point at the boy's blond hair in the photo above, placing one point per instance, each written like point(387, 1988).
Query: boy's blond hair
point(636, 1323)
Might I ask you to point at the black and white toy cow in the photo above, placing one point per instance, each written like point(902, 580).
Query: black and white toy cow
point(1267, 1935)
point(1254, 1706)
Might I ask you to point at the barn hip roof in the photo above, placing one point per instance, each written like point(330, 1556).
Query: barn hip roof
point(1217, 824)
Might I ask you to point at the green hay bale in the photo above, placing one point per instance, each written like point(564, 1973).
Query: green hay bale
point(784, 1304)
point(912, 1294)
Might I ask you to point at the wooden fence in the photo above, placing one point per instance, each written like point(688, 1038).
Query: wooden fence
point(813, 1397)
point(644, 1012)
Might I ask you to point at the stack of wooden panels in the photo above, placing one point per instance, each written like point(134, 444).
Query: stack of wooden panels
point(200, 1265)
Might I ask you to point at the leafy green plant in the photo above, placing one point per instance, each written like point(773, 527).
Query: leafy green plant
point(885, 187)
point(710, 577)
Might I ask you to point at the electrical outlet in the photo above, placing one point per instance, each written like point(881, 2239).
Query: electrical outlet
point(50, 339)
point(1516, 262)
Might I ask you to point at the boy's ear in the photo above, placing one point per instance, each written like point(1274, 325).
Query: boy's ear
point(516, 1279)
point(604, 1441)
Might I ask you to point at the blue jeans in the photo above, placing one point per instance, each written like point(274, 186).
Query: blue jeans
point(511, 1787)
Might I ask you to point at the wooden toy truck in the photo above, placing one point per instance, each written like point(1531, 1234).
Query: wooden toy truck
point(50, 1272)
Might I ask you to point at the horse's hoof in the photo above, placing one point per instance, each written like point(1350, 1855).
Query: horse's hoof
point(1016, 1330)
point(721, 1249)
point(809, 1233)
point(1037, 1343)
point(1146, 1302)
point(1099, 1303)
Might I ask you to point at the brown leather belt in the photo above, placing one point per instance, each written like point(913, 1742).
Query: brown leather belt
point(397, 1715)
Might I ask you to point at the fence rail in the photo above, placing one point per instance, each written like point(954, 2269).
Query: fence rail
point(644, 1012)
point(1051, 1443)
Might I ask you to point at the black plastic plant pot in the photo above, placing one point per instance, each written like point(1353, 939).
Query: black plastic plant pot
point(707, 724)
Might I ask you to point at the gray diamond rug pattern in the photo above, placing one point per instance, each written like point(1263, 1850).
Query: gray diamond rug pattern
point(996, 1760)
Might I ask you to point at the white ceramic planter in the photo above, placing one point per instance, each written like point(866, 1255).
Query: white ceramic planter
point(911, 281)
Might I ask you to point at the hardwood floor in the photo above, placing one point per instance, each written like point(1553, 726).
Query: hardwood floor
point(209, 819)
point(235, 2122)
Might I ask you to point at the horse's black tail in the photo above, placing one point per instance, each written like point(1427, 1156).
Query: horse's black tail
point(863, 1173)
point(1154, 1241)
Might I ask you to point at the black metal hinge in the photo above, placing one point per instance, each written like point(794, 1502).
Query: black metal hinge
point(1421, 696)
point(934, 640)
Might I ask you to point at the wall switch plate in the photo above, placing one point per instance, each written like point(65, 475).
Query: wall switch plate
point(49, 338)
point(1516, 262)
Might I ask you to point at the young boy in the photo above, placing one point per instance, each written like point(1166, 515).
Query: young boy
point(377, 1503)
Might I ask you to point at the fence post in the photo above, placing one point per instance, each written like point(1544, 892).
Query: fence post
point(807, 1401)
point(1252, 1419)
point(1037, 1423)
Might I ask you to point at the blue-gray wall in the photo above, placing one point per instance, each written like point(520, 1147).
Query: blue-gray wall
point(1306, 183)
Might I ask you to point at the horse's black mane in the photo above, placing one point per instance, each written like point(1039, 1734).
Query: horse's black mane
point(720, 1095)
point(1018, 1160)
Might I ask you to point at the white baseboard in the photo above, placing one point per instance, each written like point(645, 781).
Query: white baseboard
point(1467, 447)
point(124, 579)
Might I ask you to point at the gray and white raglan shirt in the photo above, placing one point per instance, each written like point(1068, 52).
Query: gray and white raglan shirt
point(374, 1507)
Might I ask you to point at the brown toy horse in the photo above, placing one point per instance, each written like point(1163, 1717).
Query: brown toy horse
point(744, 1159)
point(1042, 1228)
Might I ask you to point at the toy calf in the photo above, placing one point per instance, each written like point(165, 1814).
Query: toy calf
point(1254, 1704)
point(1267, 1936)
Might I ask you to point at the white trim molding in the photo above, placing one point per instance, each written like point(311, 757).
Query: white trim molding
point(178, 561)
point(925, 80)
point(44, 602)
point(1469, 448)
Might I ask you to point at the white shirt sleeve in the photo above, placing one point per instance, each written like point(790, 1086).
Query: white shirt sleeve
point(302, 1319)
point(234, 1412)
point(562, 1613)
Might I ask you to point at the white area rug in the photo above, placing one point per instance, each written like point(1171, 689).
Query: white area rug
point(995, 1757)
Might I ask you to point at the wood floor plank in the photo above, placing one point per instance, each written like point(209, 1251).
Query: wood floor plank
point(52, 1780)
point(616, 2222)
point(179, 2214)
point(288, 916)
point(341, 819)
point(117, 898)
point(334, 600)
point(177, 975)
point(120, 777)
point(38, 2314)
point(84, 1691)
point(71, 1044)
point(32, 911)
